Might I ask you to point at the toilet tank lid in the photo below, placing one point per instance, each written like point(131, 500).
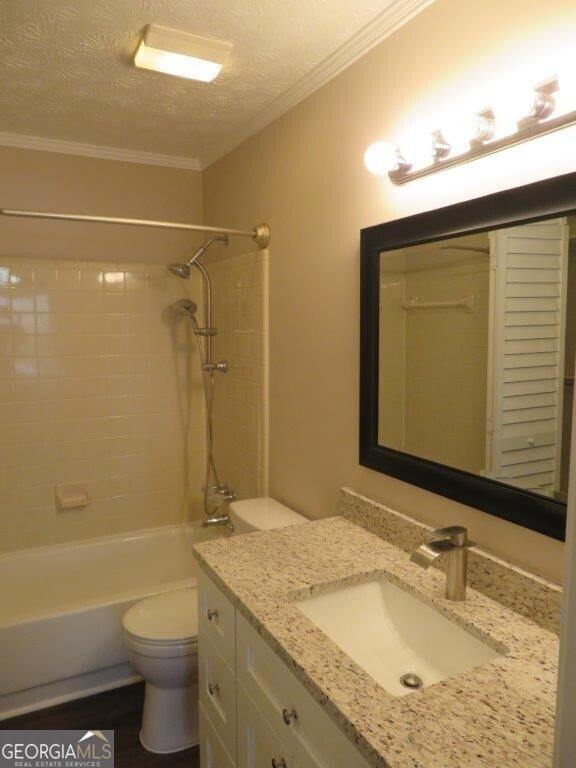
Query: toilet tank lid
point(167, 617)
point(264, 514)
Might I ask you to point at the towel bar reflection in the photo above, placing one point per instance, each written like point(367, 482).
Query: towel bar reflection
point(468, 303)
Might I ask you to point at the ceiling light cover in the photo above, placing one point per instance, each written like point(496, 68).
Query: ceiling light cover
point(181, 54)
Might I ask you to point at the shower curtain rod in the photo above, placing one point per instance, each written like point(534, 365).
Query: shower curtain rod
point(260, 234)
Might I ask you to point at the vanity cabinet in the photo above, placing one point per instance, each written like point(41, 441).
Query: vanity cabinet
point(258, 743)
point(254, 713)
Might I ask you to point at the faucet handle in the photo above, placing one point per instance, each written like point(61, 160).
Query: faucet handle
point(457, 535)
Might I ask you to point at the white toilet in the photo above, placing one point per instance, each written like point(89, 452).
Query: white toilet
point(161, 634)
point(261, 515)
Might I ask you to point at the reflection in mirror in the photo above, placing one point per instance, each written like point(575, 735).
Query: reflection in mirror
point(476, 353)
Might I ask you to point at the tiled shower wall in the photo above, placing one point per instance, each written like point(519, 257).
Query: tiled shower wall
point(240, 300)
point(98, 384)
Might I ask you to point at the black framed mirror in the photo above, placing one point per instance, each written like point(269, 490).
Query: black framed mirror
point(468, 316)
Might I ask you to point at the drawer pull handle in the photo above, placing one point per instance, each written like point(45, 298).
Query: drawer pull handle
point(288, 717)
point(278, 763)
point(213, 689)
point(212, 613)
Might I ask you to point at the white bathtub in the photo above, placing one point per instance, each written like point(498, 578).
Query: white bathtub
point(61, 610)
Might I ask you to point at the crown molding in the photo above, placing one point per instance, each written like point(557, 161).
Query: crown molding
point(385, 24)
point(20, 141)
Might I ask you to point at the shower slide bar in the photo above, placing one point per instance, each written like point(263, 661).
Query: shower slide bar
point(466, 303)
point(260, 234)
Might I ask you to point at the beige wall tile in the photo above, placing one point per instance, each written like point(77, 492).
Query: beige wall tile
point(240, 296)
point(88, 392)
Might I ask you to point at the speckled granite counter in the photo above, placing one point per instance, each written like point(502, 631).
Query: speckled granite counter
point(499, 715)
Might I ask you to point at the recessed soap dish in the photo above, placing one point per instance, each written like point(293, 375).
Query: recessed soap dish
point(73, 495)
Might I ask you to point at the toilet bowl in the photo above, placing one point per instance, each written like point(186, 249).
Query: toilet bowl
point(161, 635)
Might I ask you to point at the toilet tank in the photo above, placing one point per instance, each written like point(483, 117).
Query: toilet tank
point(262, 514)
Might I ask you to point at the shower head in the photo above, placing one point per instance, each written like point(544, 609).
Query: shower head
point(187, 306)
point(183, 270)
point(180, 270)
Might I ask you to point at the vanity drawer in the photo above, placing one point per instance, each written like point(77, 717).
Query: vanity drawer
point(216, 618)
point(258, 745)
point(311, 737)
point(212, 751)
point(217, 685)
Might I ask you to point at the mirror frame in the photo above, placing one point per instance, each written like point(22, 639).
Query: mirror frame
point(530, 203)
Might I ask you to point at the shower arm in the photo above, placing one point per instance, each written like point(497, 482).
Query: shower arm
point(260, 234)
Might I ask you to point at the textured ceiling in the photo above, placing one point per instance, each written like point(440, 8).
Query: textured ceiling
point(66, 72)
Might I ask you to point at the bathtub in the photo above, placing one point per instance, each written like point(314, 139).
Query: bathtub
point(61, 609)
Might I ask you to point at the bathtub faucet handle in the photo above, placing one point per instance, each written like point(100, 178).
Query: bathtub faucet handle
point(212, 613)
point(224, 492)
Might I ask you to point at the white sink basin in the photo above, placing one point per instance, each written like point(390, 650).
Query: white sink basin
point(389, 633)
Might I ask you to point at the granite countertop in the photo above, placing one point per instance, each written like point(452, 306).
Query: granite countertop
point(498, 715)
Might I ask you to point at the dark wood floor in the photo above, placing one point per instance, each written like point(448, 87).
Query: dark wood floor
point(120, 711)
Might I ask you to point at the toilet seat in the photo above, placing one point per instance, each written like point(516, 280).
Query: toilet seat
point(160, 650)
point(165, 621)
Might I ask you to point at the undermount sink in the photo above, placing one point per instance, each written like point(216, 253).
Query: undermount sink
point(398, 640)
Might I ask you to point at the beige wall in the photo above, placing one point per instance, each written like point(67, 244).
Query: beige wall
point(65, 183)
point(99, 380)
point(447, 367)
point(433, 364)
point(304, 175)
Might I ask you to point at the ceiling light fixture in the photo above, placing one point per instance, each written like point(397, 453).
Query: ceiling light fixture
point(515, 118)
point(181, 54)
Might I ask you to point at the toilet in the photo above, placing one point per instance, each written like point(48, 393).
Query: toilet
point(261, 515)
point(161, 635)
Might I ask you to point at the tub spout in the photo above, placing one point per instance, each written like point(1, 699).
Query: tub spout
point(218, 519)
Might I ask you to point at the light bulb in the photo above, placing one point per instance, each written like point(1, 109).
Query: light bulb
point(419, 150)
point(380, 158)
point(516, 105)
point(457, 130)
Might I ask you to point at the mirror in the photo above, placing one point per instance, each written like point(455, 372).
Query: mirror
point(476, 353)
point(467, 339)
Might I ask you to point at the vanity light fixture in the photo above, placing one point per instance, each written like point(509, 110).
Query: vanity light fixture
point(493, 129)
point(181, 54)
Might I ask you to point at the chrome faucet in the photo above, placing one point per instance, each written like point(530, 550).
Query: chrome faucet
point(226, 494)
point(453, 542)
point(222, 519)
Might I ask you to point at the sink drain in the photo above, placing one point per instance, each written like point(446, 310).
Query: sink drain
point(412, 681)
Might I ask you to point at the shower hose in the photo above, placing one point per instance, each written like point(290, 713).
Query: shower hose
point(209, 386)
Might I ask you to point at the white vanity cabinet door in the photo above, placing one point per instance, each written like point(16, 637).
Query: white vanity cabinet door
point(258, 745)
point(312, 738)
point(212, 752)
point(216, 618)
point(217, 685)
